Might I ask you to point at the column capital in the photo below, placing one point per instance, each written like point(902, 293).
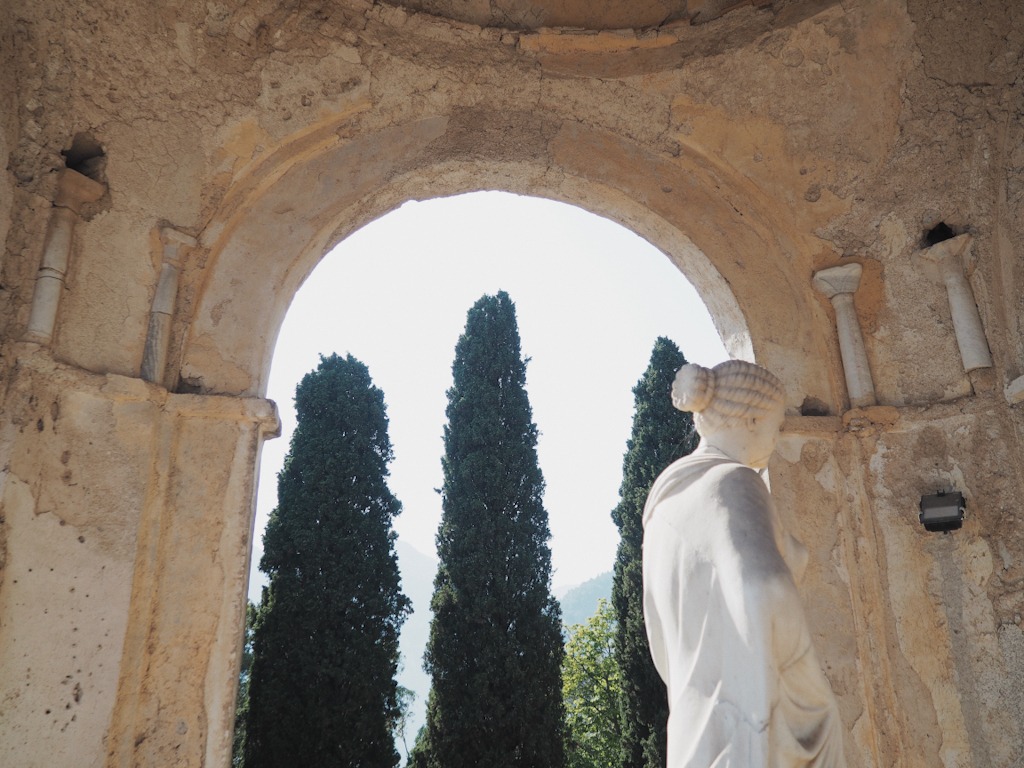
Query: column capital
point(835, 280)
point(174, 241)
point(75, 190)
point(948, 251)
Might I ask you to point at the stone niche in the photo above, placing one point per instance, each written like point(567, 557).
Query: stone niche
point(755, 143)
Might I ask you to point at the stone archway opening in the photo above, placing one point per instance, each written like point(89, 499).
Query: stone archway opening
point(265, 238)
point(395, 293)
point(591, 298)
point(715, 292)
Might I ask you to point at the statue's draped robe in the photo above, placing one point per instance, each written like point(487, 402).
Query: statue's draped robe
point(726, 627)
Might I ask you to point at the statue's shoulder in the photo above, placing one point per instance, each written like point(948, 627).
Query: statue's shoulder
point(737, 480)
point(714, 468)
point(701, 475)
point(732, 469)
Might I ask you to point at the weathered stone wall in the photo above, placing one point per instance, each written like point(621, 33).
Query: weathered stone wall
point(755, 148)
point(76, 476)
point(128, 520)
point(920, 632)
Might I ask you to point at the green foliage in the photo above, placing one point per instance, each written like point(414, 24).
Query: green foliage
point(325, 643)
point(242, 702)
point(419, 757)
point(495, 648)
point(406, 697)
point(661, 434)
point(592, 690)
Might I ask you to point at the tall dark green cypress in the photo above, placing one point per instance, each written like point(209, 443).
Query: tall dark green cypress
point(322, 689)
point(661, 434)
point(495, 648)
point(242, 703)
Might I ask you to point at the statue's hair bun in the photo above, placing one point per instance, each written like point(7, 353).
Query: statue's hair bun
point(694, 388)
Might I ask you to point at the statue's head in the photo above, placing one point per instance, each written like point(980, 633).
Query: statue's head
point(737, 407)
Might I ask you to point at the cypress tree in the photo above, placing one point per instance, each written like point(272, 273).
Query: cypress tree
point(322, 689)
point(661, 434)
point(242, 702)
point(495, 648)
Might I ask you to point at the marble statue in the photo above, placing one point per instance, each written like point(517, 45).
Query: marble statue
point(725, 623)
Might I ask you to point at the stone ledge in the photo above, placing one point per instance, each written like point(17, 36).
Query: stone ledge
point(35, 359)
point(812, 426)
point(889, 418)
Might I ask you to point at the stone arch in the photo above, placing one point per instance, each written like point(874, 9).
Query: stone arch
point(760, 146)
point(272, 228)
point(268, 236)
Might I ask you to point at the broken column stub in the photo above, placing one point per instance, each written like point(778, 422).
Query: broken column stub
point(839, 284)
point(947, 259)
point(1014, 391)
point(73, 191)
point(158, 336)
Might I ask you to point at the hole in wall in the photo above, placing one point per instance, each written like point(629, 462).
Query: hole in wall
point(938, 233)
point(812, 406)
point(86, 156)
point(187, 386)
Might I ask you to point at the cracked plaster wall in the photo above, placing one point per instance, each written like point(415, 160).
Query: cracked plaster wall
point(754, 149)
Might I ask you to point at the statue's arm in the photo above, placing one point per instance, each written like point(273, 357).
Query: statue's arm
point(795, 554)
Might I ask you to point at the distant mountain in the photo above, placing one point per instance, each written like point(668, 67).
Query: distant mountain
point(580, 603)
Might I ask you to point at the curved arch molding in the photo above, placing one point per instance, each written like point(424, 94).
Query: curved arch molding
point(269, 236)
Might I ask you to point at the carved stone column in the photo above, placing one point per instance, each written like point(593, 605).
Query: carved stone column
point(73, 191)
point(158, 337)
point(839, 284)
point(947, 257)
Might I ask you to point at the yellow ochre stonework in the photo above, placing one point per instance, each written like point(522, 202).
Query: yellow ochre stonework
point(754, 143)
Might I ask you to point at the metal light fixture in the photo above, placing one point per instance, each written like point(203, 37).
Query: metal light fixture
point(942, 512)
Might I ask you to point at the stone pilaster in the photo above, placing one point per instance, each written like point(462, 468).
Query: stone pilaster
point(128, 515)
point(839, 285)
point(73, 191)
point(947, 258)
point(158, 336)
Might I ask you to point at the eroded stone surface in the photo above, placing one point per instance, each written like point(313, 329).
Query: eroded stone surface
point(115, 496)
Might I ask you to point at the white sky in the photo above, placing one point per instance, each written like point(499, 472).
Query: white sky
point(591, 298)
